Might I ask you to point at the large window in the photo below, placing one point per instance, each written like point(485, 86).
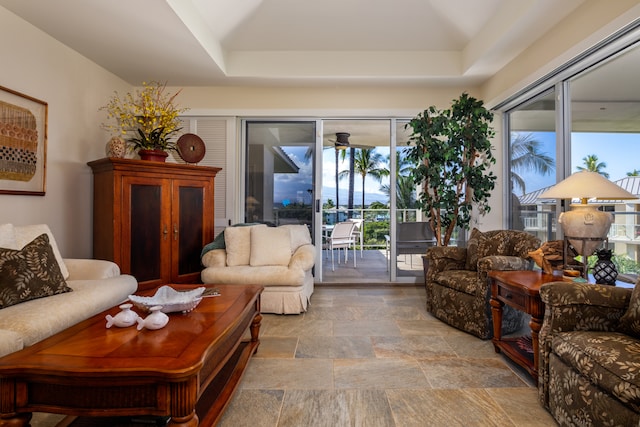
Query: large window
point(532, 155)
point(584, 117)
point(280, 172)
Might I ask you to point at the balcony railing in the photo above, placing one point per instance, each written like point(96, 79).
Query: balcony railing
point(376, 224)
point(623, 237)
point(625, 226)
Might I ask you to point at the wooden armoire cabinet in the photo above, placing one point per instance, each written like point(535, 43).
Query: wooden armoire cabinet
point(152, 218)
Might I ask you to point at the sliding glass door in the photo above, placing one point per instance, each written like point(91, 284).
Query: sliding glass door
point(532, 159)
point(355, 183)
point(319, 173)
point(584, 117)
point(280, 172)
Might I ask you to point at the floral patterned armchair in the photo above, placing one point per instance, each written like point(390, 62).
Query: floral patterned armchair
point(458, 291)
point(589, 371)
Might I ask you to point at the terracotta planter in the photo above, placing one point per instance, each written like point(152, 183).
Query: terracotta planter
point(153, 155)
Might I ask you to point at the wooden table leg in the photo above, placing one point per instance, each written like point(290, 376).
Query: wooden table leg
point(190, 420)
point(255, 330)
point(535, 324)
point(496, 312)
point(183, 399)
point(16, 420)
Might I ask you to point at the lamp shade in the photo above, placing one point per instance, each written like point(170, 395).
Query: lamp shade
point(587, 185)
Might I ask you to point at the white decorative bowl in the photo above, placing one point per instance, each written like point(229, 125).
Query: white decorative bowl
point(170, 300)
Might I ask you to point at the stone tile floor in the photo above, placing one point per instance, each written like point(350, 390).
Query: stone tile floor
point(373, 356)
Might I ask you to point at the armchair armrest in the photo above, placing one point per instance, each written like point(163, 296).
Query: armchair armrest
point(580, 306)
point(571, 306)
point(91, 269)
point(501, 262)
point(215, 258)
point(303, 257)
point(443, 258)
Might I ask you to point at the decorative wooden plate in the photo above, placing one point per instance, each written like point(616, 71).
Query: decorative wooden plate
point(191, 148)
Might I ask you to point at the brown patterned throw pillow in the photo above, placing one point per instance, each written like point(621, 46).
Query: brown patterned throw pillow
point(29, 273)
point(630, 320)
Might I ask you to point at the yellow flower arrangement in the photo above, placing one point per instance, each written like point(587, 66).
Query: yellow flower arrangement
point(146, 119)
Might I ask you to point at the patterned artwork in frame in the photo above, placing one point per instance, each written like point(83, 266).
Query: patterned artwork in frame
point(23, 143)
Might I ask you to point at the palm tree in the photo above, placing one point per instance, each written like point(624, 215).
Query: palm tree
point(526, 156)
point(352, 152)
point(367, 162)
point(405, 189)
point(592, 164)
point(347, 173)
point(635, 172)
point(405, 192)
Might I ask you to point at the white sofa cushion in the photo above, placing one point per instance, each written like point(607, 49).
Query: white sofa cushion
point(237, 241)
point(8, 237)
point(270, 246)
point(38, 319)
point(299, 235)
point(25, 234)
point(10, 342)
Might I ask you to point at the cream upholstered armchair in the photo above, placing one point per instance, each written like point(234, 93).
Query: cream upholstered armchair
point(279, 258)
point(458, 291)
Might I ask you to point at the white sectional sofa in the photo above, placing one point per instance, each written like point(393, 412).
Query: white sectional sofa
point(279, 258)
point(96, 285)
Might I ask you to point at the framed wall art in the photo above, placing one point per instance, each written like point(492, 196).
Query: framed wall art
point(23, 143)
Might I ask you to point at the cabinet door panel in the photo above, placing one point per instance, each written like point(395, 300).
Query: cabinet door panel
point(145, 225)
point(190, 241)
point(193, 220)
point(146, 241)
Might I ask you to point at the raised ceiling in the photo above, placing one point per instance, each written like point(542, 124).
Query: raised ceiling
point(297, 42)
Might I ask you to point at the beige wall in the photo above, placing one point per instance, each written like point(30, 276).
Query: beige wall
point(343, 101)
point(591, 23)
point(74, 88)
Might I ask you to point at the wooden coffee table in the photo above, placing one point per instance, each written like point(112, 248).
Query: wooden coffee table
point(187, 370)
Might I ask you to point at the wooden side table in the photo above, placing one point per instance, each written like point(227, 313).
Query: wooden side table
point(520, 290)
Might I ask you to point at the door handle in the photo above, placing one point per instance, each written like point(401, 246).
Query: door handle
point(164, 233)
point(175, 232)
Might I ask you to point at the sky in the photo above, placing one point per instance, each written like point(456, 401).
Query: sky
point(372, 187)
point(620, 151)
point(293, 187)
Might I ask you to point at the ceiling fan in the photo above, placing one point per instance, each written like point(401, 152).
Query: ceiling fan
point(342, 142)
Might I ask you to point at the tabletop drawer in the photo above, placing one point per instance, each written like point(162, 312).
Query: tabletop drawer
point(514, 299)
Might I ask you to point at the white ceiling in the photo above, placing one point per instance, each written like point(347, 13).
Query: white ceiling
point(297, 42)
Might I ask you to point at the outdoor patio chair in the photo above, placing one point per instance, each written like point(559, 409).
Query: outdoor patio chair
point(358, 232)
point(342, 237)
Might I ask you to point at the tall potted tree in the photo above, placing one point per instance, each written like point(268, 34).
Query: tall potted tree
point(452, 150)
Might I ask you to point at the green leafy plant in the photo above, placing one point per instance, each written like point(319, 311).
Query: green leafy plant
point(157, 139)
point(452, 150)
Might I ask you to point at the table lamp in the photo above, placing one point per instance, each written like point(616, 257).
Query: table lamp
point(584, 226)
